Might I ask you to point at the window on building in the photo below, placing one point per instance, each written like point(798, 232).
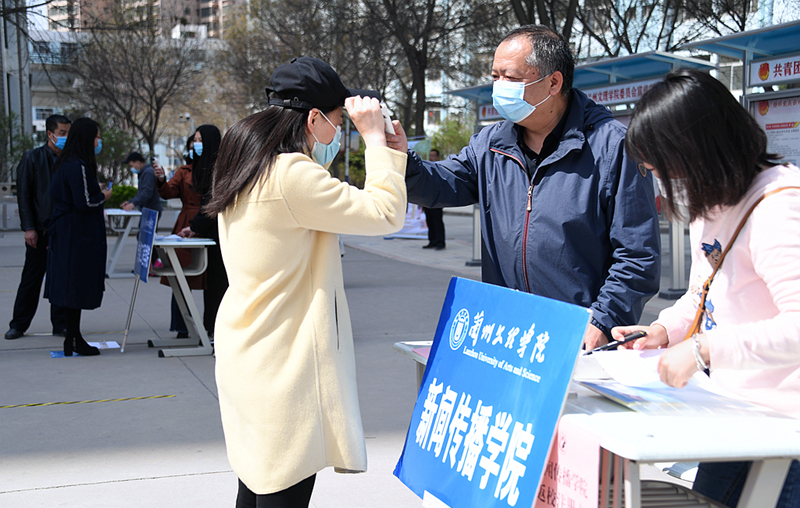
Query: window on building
point(41, 47)
point(44, 113)
point(68, 51)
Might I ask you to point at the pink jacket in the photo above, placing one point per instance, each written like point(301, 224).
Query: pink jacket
point(753, 306)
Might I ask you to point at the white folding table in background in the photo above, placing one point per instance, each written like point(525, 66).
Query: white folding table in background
point(124, 232)
point(176, 274)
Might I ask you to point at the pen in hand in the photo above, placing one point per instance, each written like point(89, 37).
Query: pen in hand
point(627, 338)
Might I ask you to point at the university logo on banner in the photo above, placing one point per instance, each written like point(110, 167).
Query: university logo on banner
point(144, 245)
point(493, 391)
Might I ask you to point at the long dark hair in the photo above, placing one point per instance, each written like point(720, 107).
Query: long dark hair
point(203, 165)
point(80, 144)
point(189, 147)
point(690, 127)
point(250, 148)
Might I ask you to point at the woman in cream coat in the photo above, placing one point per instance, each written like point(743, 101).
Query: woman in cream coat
point(285, 362)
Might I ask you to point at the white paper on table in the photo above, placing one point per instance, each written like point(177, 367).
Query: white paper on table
point(169, 237)
point(106, 344)
point(638, 368)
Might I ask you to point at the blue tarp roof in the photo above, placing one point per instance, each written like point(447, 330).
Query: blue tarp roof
point(769, 41)
point(653, 64)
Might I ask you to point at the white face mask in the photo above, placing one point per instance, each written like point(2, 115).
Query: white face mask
point(679, 194)
point(508, 98)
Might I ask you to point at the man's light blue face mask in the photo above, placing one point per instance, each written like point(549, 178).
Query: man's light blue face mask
point(508, 98)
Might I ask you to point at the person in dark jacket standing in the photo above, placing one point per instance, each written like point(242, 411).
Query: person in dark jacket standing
point(564, 213)
point(33, 197)
point(207, 139)
point(76, 260)
point(434, 218)
point(147, 195)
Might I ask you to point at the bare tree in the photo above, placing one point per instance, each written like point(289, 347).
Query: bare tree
point(559, 15)
point(722, 16)
point(124, 68)
point(626, 27)
point(424, 30)
point(275, 31)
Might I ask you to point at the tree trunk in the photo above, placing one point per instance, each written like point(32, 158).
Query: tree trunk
point(421, 103)
point(571, 8)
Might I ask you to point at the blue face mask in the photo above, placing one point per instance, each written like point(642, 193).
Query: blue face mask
point(198, 149)
point(508, 98)
point(60, 142)
point(323, 154)
point(134, 171)
point(99, 146)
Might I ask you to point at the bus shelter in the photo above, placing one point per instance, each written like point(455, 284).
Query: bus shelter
point(771, 81)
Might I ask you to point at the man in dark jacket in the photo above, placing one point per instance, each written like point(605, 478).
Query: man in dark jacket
point(33, 197)
point(147, 195)
point(565, 214)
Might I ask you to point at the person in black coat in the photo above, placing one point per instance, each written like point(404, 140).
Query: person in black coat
point(434, 218)
point(207, 139)
point(76, 258)
point(34, 175)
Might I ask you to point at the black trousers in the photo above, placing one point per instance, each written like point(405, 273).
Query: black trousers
point(176, 323)
point(216, 285)
point(434, 218)
point(296, 496)
point(30, 288)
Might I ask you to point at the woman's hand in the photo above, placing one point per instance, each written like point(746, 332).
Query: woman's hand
point(186, 232)
point(656, 336)
point(368, 119)
point(160, 176)
point(677, 364)
point(398, 140)
point(106, 194)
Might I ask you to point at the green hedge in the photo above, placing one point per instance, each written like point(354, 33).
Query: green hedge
point(120, 194)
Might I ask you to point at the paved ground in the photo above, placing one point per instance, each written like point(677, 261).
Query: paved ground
point(135, 430)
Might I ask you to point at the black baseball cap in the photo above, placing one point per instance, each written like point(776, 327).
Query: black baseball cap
point(306, 83)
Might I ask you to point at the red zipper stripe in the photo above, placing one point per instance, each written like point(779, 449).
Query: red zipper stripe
point(527, 220)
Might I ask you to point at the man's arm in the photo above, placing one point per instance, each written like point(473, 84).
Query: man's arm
point(26, 185)
point(635, 264)
point(451, 182)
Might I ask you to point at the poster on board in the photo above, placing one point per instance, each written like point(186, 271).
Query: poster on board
point(780, 119)
point(493, 390)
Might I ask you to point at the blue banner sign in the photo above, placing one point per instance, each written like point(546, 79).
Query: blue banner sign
point(493, 390)
point(144, 247)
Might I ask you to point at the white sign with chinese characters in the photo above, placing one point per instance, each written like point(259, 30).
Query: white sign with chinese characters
point(774, 71)
point(621, 93)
